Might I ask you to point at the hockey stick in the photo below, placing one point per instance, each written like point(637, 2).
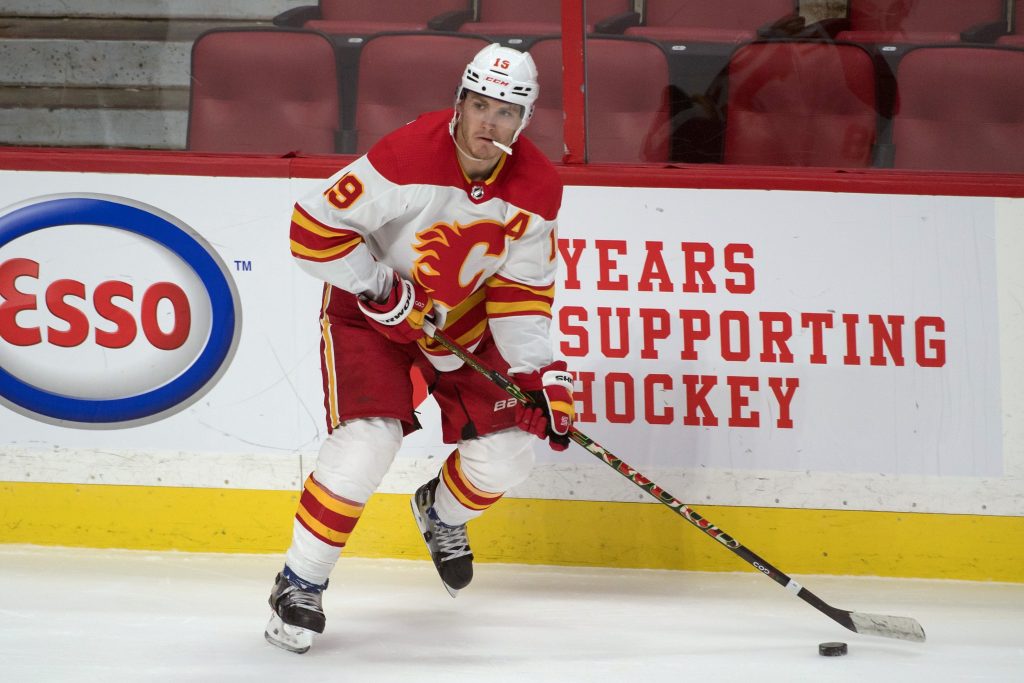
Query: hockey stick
point(903, 628)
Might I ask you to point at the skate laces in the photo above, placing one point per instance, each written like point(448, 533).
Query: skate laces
point(452, 541)
point(302, 598)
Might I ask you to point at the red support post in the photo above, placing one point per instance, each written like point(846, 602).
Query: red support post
point(573, 93)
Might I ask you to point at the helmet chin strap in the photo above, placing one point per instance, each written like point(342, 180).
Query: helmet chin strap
point(464, 152)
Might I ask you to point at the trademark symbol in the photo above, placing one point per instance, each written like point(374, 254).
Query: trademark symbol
point(243, 266)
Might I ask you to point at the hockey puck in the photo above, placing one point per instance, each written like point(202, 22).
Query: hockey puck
point(832, 649)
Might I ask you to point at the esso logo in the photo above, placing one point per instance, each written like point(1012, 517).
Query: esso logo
point(112, 313)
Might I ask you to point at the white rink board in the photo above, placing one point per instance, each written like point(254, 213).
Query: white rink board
point(796, 257)
point(900, 437)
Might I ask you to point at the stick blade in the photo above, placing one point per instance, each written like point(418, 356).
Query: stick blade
point(902, 628)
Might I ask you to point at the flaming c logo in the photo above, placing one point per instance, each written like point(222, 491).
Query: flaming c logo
point(448, 265)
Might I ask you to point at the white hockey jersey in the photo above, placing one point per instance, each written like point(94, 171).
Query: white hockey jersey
point(485, 251)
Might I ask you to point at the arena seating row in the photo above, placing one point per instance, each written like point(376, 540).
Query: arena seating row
point(266, 90)
point(502, 20)
point(946, 107)
point(777, 102)
point(924, 21)
point(697, 37)
point(673, 21)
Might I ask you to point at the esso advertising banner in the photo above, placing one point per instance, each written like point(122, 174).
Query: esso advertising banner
point(154, 329)
point(113, 313)
point(784, 330)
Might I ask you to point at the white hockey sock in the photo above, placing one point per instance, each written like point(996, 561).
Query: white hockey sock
point(480, 472)
point(350, 466)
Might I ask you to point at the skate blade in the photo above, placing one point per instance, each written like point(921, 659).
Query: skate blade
point(422, 525)
point(292, 638)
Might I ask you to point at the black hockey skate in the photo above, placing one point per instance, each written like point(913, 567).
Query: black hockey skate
point(298, 613)
point(448, 545)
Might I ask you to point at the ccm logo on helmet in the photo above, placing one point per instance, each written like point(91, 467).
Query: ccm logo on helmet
point(499, 81)
point(112, 313)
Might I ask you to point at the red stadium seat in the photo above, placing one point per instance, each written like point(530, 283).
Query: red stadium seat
point(391, 94)
point(1016, 38)
point(359, 17)
point(960, 108)
point(801, 104)
point(536, 17)
point(264, 91)
point(721, 21)
point(627, 101)
point(917, 21)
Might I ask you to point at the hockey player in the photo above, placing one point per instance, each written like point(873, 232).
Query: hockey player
point(450, 218)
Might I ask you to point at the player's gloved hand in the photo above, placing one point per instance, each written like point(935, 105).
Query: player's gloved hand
point(552, 411)
point(400, 316)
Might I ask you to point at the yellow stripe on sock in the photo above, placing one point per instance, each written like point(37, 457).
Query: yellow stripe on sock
point(336, 537)
point(463, 500)
point(331, 502)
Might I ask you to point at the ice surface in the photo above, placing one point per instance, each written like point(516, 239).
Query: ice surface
point(114, 615)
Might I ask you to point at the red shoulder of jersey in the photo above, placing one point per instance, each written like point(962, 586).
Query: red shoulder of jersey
point(419, 153)
point(422, 153)
point(530, 181)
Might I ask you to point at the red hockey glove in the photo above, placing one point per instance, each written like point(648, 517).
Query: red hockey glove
point(552, 411)
point(400, 316)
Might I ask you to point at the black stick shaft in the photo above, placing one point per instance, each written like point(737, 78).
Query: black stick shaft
point(843, 617)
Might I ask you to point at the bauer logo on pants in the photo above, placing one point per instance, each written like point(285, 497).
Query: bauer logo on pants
point(112, 313)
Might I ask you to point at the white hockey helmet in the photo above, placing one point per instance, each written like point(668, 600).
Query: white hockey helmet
point(504, 74)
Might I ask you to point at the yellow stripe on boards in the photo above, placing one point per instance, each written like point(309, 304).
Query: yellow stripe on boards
point(558, 532)
point(144, 517)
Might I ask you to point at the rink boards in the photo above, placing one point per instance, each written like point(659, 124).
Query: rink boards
point(830, 376)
